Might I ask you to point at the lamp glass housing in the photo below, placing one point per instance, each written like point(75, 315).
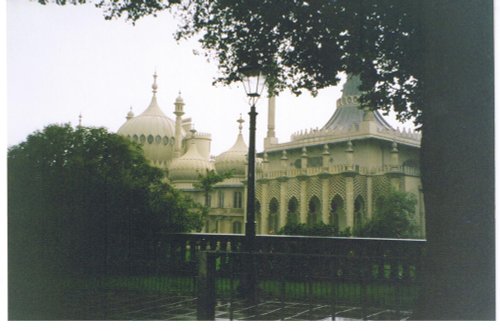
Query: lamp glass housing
point(253, 82)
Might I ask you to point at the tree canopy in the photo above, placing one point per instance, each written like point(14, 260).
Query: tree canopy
point(394, 217)
point(82, 198)
point(303, 45)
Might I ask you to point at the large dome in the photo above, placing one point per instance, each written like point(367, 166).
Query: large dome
point(233, 159)
point(188, 166)
point(154, 131)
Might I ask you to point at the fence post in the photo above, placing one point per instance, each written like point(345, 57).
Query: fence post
point(206, 287)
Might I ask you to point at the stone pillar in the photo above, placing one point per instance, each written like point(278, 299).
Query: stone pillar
point(350, 156)
point(303, 159)
point(369, 197)
point(264, 207)
point(283, 203)
point(349, 201)
point(265, 164)
point(325, 198)
point(395, 173)
point(303, 199)
point(326, 157)
point(271, 139)
point(284, 160)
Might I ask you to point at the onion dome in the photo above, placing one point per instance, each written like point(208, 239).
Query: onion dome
point(234, 159)
point(153, 130)
point(188, 166)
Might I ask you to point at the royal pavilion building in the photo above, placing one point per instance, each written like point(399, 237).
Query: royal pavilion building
point(335, 174)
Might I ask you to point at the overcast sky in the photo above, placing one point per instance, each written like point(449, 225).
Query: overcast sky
point(63, 61)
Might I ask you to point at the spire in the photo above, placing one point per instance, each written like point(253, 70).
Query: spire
point(79, 121)
point(154, 86)
point(240, 121)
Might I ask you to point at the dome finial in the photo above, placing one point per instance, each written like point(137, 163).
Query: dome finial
point(154, 86)
point(240, 121)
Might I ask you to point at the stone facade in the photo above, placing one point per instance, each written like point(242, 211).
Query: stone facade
point(333, 175)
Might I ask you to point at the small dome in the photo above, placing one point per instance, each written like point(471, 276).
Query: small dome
point(130, 114)
point(235, 158)
point(154, 131)
point(179, 99)
point(188, 166)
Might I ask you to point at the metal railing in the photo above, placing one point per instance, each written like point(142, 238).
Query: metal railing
point(370, 285)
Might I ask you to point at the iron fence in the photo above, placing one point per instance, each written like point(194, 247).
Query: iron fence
point(369, 283)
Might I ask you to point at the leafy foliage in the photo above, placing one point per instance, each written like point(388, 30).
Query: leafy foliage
point(304, 45)
point(394, 217)
point(85, 199)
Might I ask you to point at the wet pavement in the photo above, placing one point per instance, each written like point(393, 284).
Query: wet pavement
point(133, 306)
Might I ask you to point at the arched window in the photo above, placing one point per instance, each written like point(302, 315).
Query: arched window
point(314, 213)
point(337, 213)
point(273, 216)
point(293, 211)
point(359, 207)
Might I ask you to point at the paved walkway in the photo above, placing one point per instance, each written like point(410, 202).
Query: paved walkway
point(130, 306)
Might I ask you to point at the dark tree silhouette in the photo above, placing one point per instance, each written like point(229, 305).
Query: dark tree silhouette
point(83, 203)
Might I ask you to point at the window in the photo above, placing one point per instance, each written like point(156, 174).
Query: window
point(359, 206)
point(293, 207)
point(221, 199)
point(314, 211)
point(237, 200)
point(273, 216)
point(337, 213)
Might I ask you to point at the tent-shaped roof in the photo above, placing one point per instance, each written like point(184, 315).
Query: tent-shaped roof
point(349, 113)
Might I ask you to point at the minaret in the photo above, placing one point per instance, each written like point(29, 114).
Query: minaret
point(179, 111)
point(271, 139)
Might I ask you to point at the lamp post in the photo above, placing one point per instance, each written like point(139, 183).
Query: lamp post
point(253, 82)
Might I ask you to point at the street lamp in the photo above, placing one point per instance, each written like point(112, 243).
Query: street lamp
point(253, 82)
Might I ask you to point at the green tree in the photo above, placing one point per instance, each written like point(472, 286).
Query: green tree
point(431, 59)
point(394, 217)
point(206, 183)
point(83, 202)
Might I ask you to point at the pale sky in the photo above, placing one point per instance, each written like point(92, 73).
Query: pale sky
point(63, 61)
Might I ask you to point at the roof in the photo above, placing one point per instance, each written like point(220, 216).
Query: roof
point(349, 112)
